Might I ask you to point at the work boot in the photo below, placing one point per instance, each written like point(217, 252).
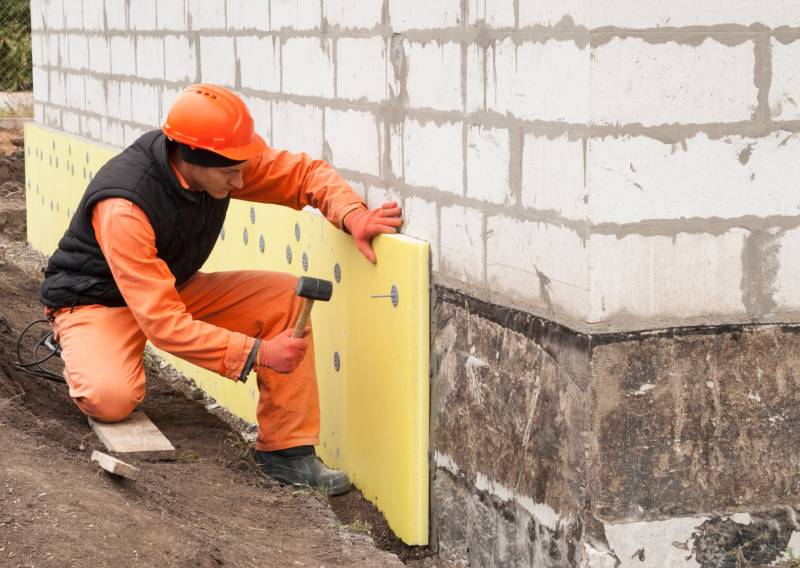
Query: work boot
point(300, 466)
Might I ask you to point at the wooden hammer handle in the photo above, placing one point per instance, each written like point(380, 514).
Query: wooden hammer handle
point(303, 318)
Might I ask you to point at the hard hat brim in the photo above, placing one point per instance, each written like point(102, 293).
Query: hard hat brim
point(251, 150)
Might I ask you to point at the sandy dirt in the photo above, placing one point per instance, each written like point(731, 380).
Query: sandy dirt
point(209, 507)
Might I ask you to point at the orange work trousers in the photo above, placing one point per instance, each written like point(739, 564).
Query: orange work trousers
point(103, 349)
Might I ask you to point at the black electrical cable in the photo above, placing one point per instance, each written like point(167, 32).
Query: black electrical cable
point(35, 367)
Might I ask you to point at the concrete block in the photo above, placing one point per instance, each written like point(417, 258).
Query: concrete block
point(38, 113)
point(146, 108)
point(120, 99)
point(784, 92)
point(78, 46)
point(361, 68)
point(476, 78)
point(206, 14)
point(180, 61)
point(116, 15)
point(40, 85)
point(653, 280)
point(63, 50)
point(52, 117)
point(131, 134)
point(377, 196)
point(297, 128)
point(111, 132)
point(217, 60)
point(432, 155)
point(99, 54)
point(553, 12)
point(259, 63)
point(53, 50)
point(396, 149)
point(38, 18)
point(295, 14)
point(36, 49)
point(785, 292)
point(307, 67)
point(172, 15)
point(635, 178)
point(54, 14)
point(352, 137)
point(539, 81)
point(90, 127)
point(488, 165)
point(58, 88)
point(73, 15)
point(420, 220)
point(168, 95)
point(76, 95)
point(538, 264)
point(93, 19)
point(71, 122)
point(248, 15)
point(142, 14)
point(423, 14)
point(462, 244)
point(261, 111)
point(353, 14)
point(493, 13)
point(553, 177)
point(123, 55)
point(358, 187)
point(680, 13)
point(637, 82)
point(95, 95)
point(150, 57)
point(434, 75)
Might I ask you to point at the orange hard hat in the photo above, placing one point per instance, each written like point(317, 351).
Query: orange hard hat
point(213, 118)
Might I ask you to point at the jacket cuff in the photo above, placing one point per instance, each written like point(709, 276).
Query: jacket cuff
point(347, 209)
point(239, 349)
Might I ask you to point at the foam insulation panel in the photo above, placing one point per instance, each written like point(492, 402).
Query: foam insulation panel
point(371, 339)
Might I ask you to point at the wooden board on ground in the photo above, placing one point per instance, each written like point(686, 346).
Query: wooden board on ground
point(114, 466)
point(136, 435)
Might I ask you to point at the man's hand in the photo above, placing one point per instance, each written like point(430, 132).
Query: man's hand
point(364, 224)
point(283, 353)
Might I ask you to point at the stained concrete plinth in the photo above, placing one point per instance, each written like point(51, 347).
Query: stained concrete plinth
point(556, 448)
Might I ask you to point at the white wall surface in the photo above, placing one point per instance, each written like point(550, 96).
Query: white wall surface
point(609, 165)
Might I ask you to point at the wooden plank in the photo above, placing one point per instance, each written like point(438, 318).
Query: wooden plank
point(135, 435)
point(114, 466)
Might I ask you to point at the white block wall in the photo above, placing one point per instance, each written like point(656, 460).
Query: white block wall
point(608, 165)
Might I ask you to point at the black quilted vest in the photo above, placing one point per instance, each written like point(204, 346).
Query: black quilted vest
point(186, 225)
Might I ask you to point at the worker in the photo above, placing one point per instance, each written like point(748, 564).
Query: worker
point(127, 270)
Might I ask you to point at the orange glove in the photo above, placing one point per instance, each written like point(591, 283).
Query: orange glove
point(283, 353)
point(364, 224)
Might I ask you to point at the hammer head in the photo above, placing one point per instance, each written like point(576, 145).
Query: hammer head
point(314, 288)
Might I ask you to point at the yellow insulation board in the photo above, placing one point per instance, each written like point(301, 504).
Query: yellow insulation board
point(371, 339)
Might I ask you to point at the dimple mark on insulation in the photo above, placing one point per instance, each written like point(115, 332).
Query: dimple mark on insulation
point(760, 264)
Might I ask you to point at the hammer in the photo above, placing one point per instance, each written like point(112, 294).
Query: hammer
point(310, 289)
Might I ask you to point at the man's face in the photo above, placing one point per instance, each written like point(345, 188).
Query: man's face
point(217, 182)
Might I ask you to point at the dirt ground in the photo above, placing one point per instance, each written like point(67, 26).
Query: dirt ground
point(209, 507)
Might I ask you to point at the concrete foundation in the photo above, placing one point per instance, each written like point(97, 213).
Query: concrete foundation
point(556, 448)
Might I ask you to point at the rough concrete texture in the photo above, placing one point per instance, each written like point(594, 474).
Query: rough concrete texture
point(694, 421)
point(509, 425)
point(555, 448)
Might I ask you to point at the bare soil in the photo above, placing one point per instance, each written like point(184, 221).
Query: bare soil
point(209, 507)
